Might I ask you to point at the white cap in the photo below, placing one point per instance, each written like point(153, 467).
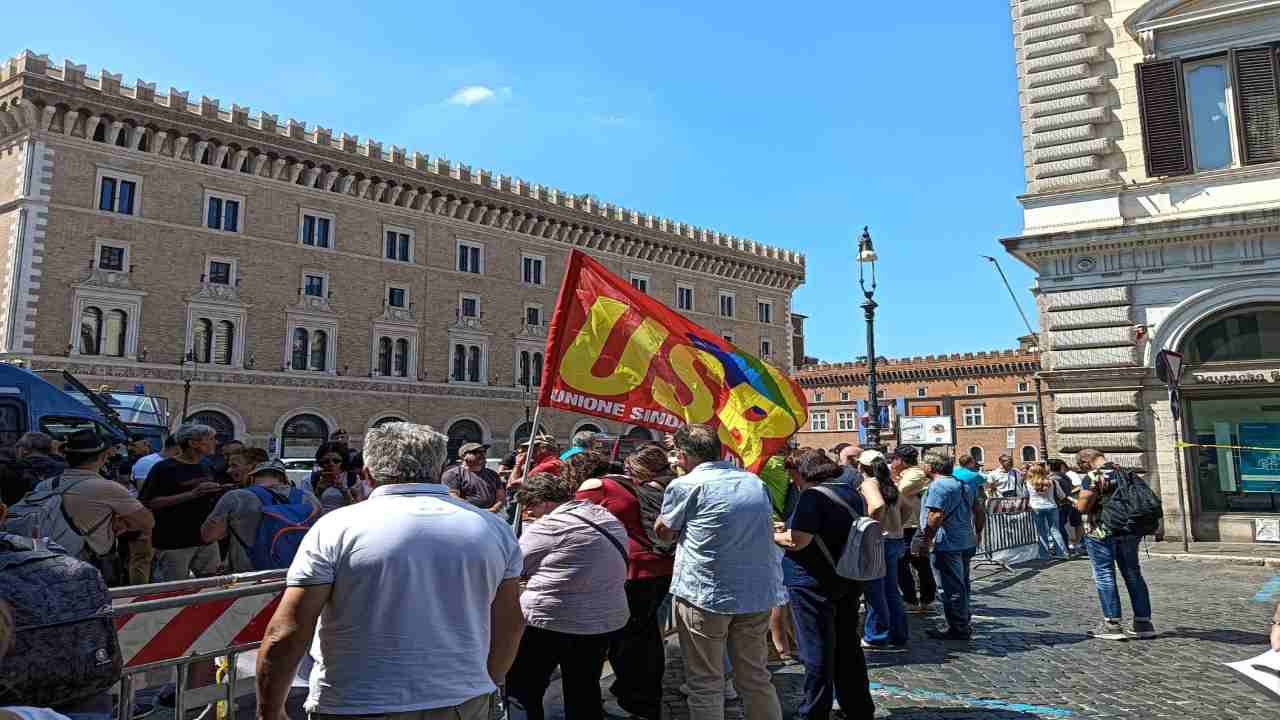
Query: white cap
point(869, 456)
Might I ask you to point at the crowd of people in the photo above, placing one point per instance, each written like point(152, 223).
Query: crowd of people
point(821, 558)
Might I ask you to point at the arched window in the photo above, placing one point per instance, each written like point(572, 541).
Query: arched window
point(1247, 333)
point(300, 343)
point(302, 436)
point(319, 350)
point(402, 358)
point(525, 366)
point(1029, 454)
point(222, 426)
point(976, 454)
point(473, 364)
point(90, 331)
point(384, 356)
point(522, 432)
point(116, 330)
point(384, 420)
point(224, 342)
point(462, 432)
point(202, 340)
point(537, 369)
point(459, 363)
point(122, 138)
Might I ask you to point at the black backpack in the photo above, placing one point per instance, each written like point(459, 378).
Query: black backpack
point(1133, 508)
point(65, 647)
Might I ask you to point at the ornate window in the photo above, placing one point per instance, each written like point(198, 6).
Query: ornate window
point(90, 331)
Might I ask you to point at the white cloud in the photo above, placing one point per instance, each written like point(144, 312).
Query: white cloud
point(469, 95)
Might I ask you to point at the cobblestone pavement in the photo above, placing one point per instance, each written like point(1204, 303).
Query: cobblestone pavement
point(1032, 658)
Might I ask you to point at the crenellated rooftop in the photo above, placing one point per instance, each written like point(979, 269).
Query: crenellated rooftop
point(409, 180)
point(970, 364)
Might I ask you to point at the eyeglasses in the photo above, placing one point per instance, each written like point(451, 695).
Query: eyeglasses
point(330, 461)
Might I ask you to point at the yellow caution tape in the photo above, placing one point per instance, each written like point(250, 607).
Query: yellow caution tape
point(1227, 447)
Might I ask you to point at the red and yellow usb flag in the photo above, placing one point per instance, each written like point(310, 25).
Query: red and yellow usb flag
point(615, 352)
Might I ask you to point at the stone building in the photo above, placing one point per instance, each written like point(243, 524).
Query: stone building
point(990, 395)
point(1151, 133)
point(317, 281)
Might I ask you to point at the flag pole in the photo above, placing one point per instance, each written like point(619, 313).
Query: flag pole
point(518, 523)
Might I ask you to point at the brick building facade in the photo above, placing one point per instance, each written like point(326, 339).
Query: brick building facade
point(990, 395)
point(318, 281)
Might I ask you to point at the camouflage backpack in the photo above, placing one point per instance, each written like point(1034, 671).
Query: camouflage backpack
point(65, 647)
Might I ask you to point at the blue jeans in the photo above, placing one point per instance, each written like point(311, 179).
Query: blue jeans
point(1106, 555)
point(952, 569)
point(886, 615)
point(1047, 525)
point(827, 644)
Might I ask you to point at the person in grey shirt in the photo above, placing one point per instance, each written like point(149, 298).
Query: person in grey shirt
point(728, 575)
point(239, 513)
point(575, 568)
point(472, 481)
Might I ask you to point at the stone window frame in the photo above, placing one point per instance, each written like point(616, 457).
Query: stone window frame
point(240, 213)
point(525, 255)
point(766, 347)
point(108, 299)
point(394, 332)
point(977, 413)
point(1024, 386)
point(846, 420)
point(311, 323)
point(733, 304)
point(479, 305)
point(971, 389)
point(469, 340)
point(922, 392)
point(326, 288)
point(1025, 412)
point(457, 247)
point(844, 396)
point(125, 245)
point(304, 211)
point(386, 294)
point(645, 278)
point(403, 230)
point(542, 314)
point(117, 174)
point(814, 425)
point(234, 279)
point(693, 296)
point(521, 348)
point(237, 316)
point(761, 304)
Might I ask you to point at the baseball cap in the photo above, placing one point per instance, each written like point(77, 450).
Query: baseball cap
point(869, 456)
point(540, 440)
point(471, 447)
point(274, 466)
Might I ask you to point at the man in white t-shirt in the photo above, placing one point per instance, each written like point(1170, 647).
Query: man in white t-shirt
point(412, 596)
point(142, 468)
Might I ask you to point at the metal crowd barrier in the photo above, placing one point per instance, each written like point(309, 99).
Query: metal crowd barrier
point(1010, 525)
point(166, 596)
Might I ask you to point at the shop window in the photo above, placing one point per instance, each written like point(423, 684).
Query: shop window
point(1228, 478)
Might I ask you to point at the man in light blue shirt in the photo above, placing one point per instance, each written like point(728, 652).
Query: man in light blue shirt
point(728, 575)
point(951, 521)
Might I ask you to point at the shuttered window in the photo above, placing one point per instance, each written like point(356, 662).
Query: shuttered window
point(1257, 111)
point(1164, 118)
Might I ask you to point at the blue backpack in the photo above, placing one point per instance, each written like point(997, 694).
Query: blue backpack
point(285, 521)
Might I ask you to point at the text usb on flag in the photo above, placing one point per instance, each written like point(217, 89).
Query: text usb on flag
point(616, 352)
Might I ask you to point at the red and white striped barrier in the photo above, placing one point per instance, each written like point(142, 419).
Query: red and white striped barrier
point(198, 622)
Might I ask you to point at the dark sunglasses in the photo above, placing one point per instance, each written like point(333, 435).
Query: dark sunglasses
point(330, 461)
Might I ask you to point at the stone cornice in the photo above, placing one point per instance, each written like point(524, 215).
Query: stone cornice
point(224, 375)
point(38, 97)
point(1123, 237)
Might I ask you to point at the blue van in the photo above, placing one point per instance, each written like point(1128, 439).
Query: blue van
point(29, 402)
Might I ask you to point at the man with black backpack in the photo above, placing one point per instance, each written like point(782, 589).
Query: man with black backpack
point(1118, 509)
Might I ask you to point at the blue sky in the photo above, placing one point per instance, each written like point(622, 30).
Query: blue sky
point(792, 125)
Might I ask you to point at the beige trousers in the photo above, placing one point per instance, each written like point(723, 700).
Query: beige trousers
point(704, 637)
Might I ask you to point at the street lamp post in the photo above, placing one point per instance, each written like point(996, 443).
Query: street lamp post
point(867, 257)
point(187, 376)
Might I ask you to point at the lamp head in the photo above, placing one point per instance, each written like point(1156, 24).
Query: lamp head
point(866, 251)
